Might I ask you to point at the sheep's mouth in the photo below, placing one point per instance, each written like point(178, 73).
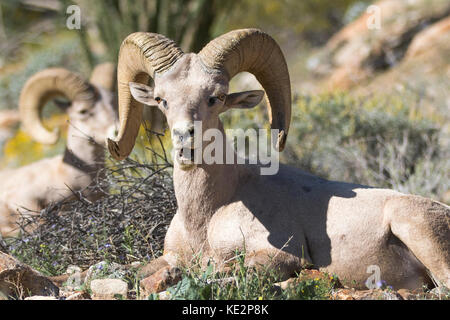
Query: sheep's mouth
point(185, 157)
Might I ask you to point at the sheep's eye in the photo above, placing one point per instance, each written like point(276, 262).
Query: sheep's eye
point(159, 100)
point(84, 111)
point(211, 101)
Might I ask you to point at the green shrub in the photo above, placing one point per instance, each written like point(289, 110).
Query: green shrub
point(379, 142)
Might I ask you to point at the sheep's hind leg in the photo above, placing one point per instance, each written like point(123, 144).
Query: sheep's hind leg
point(423, 225)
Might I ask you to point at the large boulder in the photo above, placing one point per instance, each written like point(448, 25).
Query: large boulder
point(423, 72)
point(436, 34)
point(357, 52)
point(108, 289)
point(18, 281)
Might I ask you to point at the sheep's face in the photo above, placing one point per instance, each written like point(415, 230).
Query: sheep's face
point(97, 120)
point(189, 94)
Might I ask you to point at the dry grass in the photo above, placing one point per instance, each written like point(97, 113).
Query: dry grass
point(128, 223)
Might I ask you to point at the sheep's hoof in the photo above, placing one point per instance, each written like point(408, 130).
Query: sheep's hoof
point(160, 280)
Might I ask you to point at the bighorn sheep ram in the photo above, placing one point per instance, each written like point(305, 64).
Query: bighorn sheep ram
point(283, 220)
point(92, 115)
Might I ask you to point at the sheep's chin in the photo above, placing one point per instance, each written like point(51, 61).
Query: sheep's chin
point(187, 166)
point(183, 162)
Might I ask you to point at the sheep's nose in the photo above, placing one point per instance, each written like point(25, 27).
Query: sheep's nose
point(183, 131)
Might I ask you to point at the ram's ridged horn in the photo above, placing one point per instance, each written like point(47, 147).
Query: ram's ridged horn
point(42, 87)
point(104, 76)
point(256, 52)
point(141, 55)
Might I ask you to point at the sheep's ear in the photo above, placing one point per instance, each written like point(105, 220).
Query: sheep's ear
point(244, 100)
point(142, 93)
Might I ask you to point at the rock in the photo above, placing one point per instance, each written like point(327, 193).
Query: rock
point(160, 280)
point(79, 296)
point(108, 289)
point(427, 38)
point(164, 295)
point(71, 281)
point(407, 294)
point(75, 279)
point(391, 295)
point(102, 269)
point(374, 294)
point(357, 52)
point(17, 280)
point(41, 298)
point(343, 294)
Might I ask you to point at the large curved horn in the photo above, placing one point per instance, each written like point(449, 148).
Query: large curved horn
point(141, 55)
point(256, 52)
point(104, 76)
point(40, 88)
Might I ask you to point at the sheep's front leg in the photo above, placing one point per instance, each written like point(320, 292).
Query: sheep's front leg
point(152, 267)
point(158, 275)
point(283, 263)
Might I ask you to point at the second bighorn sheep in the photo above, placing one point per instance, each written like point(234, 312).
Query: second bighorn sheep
point(92, 115)
point(283, 220)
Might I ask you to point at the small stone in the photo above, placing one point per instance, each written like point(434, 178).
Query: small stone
point(407, 294)
point(374, 294)
point(41, 298)
point(391, 295)
point(164, 295)
point(108, 289)
point(102, 269)
point(343, 294)
point(79, 296)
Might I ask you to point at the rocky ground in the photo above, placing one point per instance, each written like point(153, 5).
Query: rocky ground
point(108, 282)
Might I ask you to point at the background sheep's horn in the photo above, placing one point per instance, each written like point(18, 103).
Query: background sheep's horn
point(256, 52)
point(141, 55)
point(42, 87)
point(104, 75)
